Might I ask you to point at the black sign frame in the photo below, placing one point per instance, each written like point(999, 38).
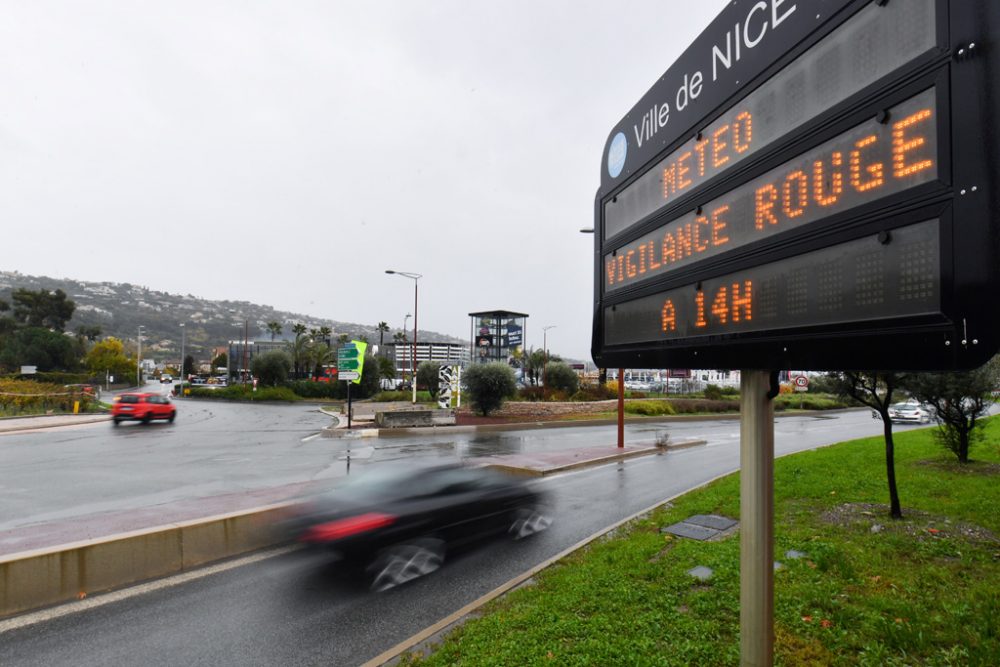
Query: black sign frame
point(964, 334)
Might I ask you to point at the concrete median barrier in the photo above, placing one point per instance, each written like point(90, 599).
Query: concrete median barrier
point(33, 579)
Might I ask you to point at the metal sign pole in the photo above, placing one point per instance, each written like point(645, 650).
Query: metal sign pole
point(757, 388)
point(621, 407)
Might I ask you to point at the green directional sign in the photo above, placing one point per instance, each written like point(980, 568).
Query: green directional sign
point(351, 359)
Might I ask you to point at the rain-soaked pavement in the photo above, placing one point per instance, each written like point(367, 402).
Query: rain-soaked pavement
point(67, 484)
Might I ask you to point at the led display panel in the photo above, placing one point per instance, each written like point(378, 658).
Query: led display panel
point(811, 185)
point(873, 43)
point(863, 280)
point(883, 156)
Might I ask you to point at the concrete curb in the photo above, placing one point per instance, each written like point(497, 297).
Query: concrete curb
point(529, 471)
point(17, 428)
point(537, 472)
point(33, 579)
point(519, 426)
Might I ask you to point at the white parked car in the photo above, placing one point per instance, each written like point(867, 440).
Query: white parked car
point(910, 413)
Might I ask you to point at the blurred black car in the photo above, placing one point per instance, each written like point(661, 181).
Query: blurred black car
point(399, 521)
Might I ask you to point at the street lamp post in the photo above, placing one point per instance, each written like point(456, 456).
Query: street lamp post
point(405, 320)
point(545, 352)
point(182, 354)
point(415, 277)
point(138, 361)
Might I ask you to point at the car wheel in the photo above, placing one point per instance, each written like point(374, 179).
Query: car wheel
point(406, 562)
point(528, 521)
point(146, 418)
point(172, 416)
point(116, 421)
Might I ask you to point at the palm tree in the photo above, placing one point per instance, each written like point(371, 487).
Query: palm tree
point(319, 355)
point(381, 328)
point(274, 328)
point(299, 350)
point(298, 347)
point(343, 339)
point(326, 332)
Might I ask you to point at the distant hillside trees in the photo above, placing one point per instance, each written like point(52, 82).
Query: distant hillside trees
point(50, 310)
point(31, 334)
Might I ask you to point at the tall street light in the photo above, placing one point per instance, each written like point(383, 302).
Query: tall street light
point(405, 320)
point(182, 353)
point(138, 361)
point(545, 350)
point(415, 277)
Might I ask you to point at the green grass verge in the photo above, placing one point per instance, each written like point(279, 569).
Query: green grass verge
point(921, 591)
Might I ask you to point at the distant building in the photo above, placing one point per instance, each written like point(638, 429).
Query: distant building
point(496, 334)
point(401, 354)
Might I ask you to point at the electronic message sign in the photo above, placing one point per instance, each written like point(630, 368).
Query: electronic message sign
point(812, 185)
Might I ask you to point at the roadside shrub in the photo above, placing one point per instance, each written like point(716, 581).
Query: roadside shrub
point(530, 394)
point(804, 401)
point(713, 392)
point(427, 376)
point(650, 408)
point(560, 377)
point(246, 393)
point(55, 377)
point(396, 396)
point(489, 385)
point(690, 406)
point(307, 389)
point(594, 392)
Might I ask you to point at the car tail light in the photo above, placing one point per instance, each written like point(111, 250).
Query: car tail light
point(335, 530)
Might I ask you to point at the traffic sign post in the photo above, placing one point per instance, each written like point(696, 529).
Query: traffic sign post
point(350, 366)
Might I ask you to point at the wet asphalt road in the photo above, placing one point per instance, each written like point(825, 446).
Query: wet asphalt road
point(295, 609)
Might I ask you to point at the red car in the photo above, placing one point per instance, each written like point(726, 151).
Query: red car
point(142, 407)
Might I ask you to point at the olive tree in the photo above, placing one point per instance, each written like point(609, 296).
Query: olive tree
point(560, 377)
point(428, 376)
point(959, 400)
point(875, 389)
point(488, 385)
point(271, 368)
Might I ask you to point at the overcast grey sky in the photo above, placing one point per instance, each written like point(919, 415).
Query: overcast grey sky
point(287, 153)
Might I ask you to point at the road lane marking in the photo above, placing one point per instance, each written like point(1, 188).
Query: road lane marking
point(311, 437)
point(89, 603)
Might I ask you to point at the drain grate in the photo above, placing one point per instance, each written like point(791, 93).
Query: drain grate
point(701, 527)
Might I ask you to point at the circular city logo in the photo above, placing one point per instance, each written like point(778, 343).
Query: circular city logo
point(616, 154)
